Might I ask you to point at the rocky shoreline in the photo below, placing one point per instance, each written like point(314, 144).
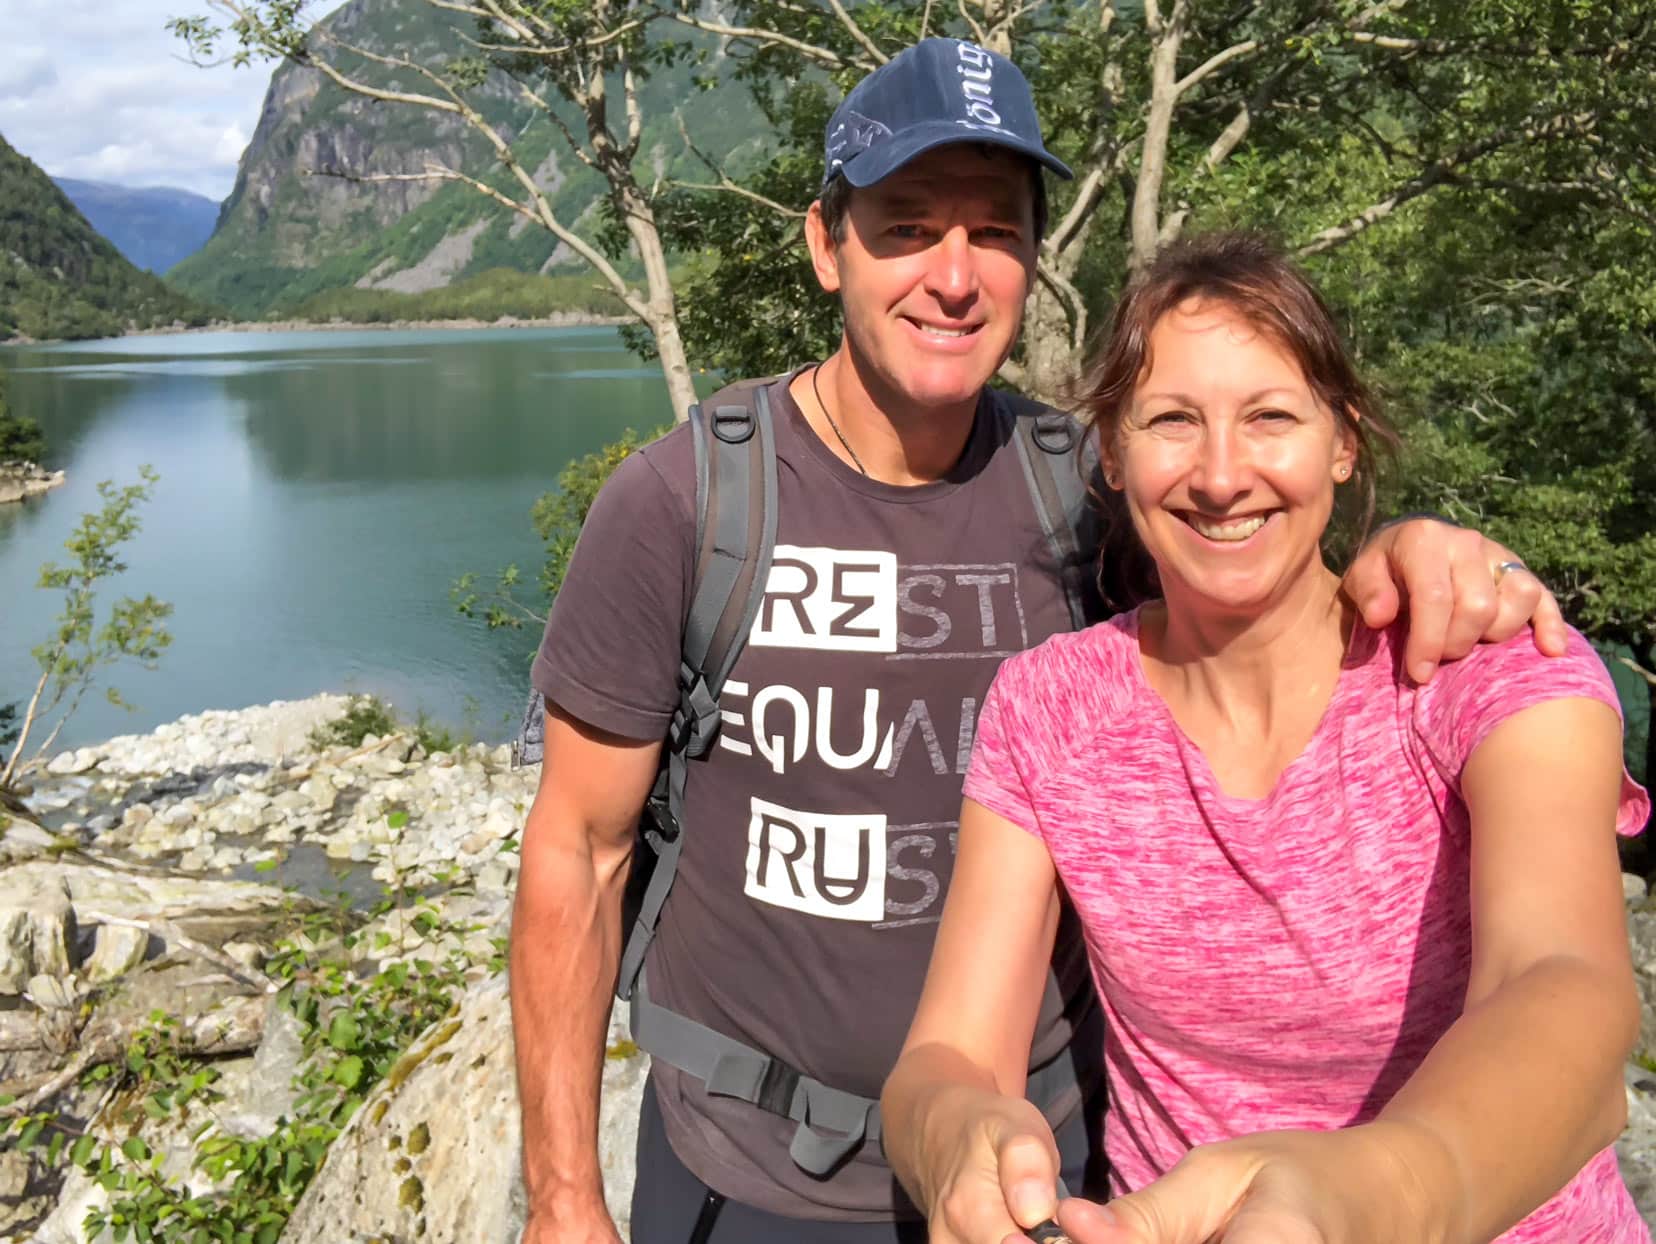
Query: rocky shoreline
point(21, 480)
point(194, 873)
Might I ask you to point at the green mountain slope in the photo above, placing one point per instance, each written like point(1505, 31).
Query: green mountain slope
point(301, 233)
point(59, 278)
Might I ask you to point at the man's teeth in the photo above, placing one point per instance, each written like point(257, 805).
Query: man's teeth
point(931, 330)
point(1228, 529)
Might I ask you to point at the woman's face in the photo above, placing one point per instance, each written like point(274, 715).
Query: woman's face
point(1228, 461)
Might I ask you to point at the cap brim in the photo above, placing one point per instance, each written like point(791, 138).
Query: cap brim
point(882, 161)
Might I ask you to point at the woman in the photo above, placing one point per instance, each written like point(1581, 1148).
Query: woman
point(1360, 942)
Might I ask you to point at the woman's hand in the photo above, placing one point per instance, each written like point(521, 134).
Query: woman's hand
point(990, 1168)
point(1343, 1187)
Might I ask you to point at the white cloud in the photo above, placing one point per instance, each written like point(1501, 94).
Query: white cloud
point(103, 91)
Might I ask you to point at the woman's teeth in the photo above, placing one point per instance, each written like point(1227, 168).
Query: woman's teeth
point(1229, 529)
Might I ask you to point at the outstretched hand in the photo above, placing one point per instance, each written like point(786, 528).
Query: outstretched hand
point(994, 1176)
point(1271, 1188)
point(1457, 597)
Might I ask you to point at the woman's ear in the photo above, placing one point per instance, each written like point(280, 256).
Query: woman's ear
point(1347, 445)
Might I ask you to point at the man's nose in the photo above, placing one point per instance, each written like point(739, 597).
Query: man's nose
point(952, 276)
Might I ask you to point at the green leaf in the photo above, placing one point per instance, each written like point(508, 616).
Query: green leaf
point(397, 820)
point(135, 1149)
point(266, 866)
point(349, 1071)
point(343, 1034)
point(81, 1150)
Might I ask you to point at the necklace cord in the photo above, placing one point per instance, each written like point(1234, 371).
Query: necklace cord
point(826, 414)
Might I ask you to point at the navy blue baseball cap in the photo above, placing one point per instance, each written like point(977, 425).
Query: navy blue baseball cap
point(937, 92)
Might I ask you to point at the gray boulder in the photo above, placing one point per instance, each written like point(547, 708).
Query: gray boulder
point(435, 1151)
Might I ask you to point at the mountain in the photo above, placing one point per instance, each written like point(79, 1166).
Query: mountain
point(301, 225)
point(59, 278)
point(153, 226)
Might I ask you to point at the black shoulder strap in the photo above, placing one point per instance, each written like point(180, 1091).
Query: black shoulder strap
point(1058, 460)
point(735, 536)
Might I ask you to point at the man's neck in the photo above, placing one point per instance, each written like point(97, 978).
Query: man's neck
point(877, 430)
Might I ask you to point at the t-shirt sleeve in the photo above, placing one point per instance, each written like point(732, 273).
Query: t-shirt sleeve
point(610, 653)
point(1456, 711)
point(996, 777)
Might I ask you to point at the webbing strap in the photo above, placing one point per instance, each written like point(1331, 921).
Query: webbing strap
point(832, 1122)
point(736, 529)
point(1055, 474)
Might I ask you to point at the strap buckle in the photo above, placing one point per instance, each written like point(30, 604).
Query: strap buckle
point(695, 721)
point(1053, 433)
point(733, 425)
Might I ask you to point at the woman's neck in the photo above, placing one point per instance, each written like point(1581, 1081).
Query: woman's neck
point(1250, 674)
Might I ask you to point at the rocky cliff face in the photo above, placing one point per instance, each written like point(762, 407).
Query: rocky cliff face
point(305, 216)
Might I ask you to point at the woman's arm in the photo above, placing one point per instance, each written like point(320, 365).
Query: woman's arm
point(1520, 1091)
point(956, 1128)
point(1527, 1085)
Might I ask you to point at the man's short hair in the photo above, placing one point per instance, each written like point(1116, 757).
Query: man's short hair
point(836, 203)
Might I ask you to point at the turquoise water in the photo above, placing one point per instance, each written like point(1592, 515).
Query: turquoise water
point(319, 492)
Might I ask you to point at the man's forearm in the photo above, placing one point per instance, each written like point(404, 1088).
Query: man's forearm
point(564, 951)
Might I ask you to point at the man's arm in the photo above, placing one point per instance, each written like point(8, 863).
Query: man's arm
point(566, 944)
point(1455, 596)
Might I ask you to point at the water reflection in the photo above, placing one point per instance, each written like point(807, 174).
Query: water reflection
point(318, 494)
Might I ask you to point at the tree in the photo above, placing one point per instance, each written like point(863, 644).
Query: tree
point(1322, 119)
point(77, 648)
point(21, 439)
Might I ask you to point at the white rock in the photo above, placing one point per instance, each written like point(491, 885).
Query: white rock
point(116, 950)
point(1634, 889)
point(52, 993)
point(66, 763)
point(37, 925)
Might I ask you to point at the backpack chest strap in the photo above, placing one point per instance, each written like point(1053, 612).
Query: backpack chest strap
point(832, 1123)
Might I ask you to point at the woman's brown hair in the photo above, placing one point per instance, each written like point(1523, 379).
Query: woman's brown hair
point(1249, 274)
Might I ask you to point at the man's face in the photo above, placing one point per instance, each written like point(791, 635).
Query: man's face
point(933, 271)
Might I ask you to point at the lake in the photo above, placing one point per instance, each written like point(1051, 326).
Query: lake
point(319, 493)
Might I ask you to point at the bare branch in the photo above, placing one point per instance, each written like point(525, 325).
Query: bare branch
point(725, 185)
point(1638, 669)
point(767, 38)
point(1075, 306)
point(174, 936)
point(978, 36)
point(857, 33)
point(1442, 172)
point(1214, 63)
point(925, 19)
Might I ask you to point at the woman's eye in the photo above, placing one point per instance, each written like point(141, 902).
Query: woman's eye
point(1271, 415)
point(1169, 419)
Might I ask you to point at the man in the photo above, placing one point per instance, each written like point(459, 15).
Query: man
point(819, 828)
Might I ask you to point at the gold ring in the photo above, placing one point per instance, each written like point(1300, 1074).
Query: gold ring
point(1503, 569)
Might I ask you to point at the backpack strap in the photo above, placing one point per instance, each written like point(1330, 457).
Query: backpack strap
point(735, 535)
point(1057, 474)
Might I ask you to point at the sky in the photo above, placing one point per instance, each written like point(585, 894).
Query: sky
point(99, 89)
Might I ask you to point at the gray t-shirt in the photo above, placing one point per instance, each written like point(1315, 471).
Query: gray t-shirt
point(820, 831)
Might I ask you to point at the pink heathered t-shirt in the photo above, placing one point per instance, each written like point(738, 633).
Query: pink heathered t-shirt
point(1285, 962)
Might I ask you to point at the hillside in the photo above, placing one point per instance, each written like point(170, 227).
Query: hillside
point(297, 226)
point(153, 226)
point(58, 277)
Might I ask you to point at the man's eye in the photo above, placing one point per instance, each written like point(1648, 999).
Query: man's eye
point(907, 231)
point(998, 232)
